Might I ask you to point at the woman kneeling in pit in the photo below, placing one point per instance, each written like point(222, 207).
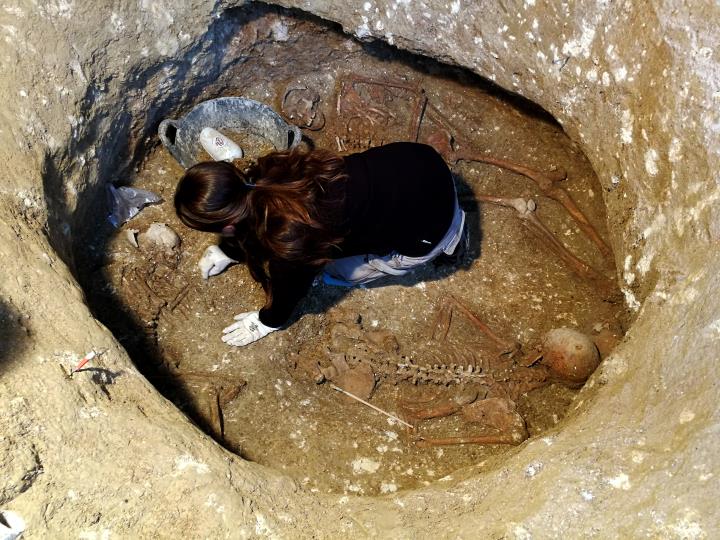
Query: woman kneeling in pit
point(297, 213)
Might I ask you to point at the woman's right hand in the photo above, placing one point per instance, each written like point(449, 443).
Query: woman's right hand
point(214, 262)
point(246, 330)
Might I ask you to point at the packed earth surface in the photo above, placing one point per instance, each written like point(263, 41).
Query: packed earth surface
point(265, 401)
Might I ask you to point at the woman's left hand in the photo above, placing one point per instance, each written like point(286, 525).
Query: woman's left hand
point(247, 329)
point(214, 262)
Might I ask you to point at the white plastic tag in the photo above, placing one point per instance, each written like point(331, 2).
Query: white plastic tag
point(220, 147)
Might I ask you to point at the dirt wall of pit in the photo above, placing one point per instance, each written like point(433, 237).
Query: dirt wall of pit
point(635, 85)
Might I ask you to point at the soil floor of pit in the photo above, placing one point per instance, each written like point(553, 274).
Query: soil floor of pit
point(262, 401)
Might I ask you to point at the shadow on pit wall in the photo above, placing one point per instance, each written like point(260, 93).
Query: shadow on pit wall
point(14, 336)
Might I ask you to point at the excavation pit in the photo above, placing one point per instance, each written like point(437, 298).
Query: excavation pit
point(634, 456)
point(262, 401)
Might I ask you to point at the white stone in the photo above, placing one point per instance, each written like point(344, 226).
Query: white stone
point(365, 465)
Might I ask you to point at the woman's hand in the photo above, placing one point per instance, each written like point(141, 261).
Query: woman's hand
point(214, 262)
point(247, 329)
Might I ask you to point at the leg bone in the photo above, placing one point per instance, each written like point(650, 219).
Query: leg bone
point(442, 141)
point(526, 212)
point(547, 182)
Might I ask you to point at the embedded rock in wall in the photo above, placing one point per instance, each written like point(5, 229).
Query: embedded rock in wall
point(635, 85)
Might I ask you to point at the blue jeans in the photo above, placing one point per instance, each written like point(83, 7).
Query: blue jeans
point(361, 269)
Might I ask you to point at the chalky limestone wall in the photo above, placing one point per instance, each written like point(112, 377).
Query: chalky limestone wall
point(637, 85)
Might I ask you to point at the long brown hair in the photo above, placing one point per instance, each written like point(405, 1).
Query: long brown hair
point(279, 208)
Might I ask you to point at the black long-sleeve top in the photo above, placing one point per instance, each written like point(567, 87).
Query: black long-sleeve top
point(397, 198)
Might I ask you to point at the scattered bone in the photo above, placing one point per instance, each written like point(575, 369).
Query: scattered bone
point(548, 184)
point(418, 115)
point(224, 394)
point(343, 336)
point(220, 390)
point(137, 277)
point(358, 380)
point(440, 408)
point(427, 442)
point(216, 414)
point(364, 108)
point(500, 414)
point(384, 340)
point(468, 395)
point(179, 298)
point(159, 236)
point(300, 105)
point(497, 414)
point(230, 384)
point(340, 144)
point(518, 381)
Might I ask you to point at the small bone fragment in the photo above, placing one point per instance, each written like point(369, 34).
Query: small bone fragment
point(131, 235)
point(383, 340)
point(359, 380)
point(497, 413)
point(466, 396)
